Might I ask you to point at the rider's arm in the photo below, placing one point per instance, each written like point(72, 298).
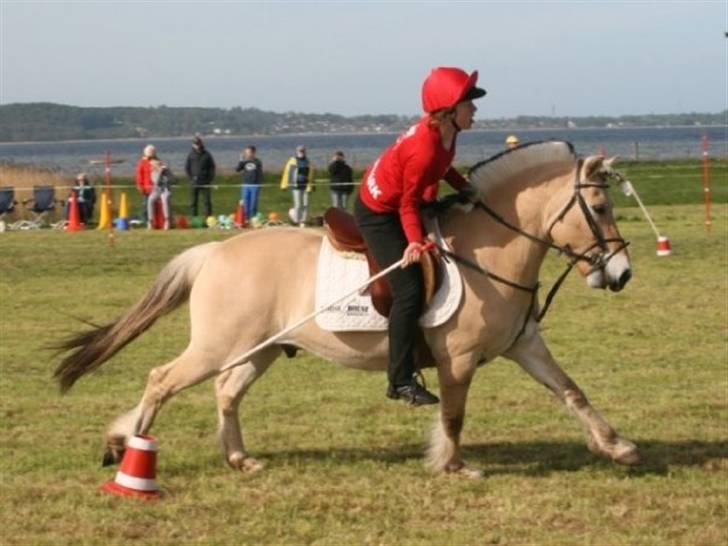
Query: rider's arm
point(455, 179)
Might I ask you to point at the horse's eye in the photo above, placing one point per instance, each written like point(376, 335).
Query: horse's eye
point(600, 209)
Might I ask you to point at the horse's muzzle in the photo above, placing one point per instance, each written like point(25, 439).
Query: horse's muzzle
point(621, 281)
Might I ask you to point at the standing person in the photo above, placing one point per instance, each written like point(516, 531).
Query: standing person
point(144, 177)
point(86, 198)
point(512, 142)
point(200, 169)
point(298, 176)
point(251, 178)
point(341, 180)
point(162, 180)
point(387, 211)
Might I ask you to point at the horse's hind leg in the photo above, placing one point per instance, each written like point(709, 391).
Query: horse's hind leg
point(186, 370)
point(230, 388)
point(532, 355)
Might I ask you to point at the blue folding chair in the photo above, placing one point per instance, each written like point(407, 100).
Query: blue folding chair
point(7, 206)
point(43, 204)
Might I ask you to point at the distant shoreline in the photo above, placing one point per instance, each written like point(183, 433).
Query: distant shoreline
point(213, 137)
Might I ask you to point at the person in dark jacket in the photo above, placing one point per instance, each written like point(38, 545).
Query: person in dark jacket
point(250, 180)
point(341, 180)
point(86, 196)
point(200, 169)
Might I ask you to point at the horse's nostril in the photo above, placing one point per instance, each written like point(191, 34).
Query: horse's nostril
point(625, 277)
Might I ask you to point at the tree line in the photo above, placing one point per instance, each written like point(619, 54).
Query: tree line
point(49, 121)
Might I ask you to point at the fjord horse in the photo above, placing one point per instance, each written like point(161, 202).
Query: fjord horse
point(535, 197)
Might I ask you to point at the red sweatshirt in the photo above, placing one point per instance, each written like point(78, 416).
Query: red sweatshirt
point(144, 176)
point(406, 175)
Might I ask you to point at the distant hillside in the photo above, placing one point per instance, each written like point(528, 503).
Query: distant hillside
point(48, 121)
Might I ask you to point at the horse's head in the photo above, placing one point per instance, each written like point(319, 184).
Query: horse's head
point(586, 228)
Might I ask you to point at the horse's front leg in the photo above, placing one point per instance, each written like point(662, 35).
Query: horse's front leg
point(531, 353)
point(443, 454)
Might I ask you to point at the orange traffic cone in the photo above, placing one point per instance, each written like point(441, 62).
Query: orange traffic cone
point(74, 217)
point(239, 220)
point(136, 477)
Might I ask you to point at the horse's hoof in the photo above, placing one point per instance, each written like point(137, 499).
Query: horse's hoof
point(461, 469)
point(630, 456)
point(624, 452)
point(471, 473)
point(242, 462)
point(252, 465)
point(111, 457)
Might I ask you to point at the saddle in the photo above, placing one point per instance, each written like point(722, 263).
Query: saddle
point(344, 236)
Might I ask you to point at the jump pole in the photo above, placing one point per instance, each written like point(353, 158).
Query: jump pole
point(243, 358)
point(706, 184)
point(663, 243)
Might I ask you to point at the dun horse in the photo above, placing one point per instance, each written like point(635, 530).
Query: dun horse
point(536, 197)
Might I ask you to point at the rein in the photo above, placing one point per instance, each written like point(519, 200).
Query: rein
point(597, 261)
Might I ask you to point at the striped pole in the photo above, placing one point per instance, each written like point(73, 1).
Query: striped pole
point(706, 184)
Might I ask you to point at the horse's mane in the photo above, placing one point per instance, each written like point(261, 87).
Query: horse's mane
point(552, 155)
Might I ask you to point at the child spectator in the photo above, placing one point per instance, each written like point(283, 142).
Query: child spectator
point(250, 179)
point(162, 180)
point(86, 196)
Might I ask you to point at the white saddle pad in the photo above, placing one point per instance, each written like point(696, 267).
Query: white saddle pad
point(339, 273)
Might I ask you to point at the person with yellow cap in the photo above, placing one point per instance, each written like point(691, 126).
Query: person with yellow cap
point(512, 141)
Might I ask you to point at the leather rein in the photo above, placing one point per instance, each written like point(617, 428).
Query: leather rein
point(597, 261)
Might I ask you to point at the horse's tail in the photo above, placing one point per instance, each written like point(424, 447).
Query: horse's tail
point(90, 349)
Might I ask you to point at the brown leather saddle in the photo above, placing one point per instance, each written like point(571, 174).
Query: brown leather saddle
point(344, 236)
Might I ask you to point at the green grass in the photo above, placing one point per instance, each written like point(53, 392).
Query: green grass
point(344, 463)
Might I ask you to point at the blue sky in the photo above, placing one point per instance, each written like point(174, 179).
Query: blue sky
point(569, 58)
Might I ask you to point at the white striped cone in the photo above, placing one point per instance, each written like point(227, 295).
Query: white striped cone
point(663, 246)
point(136, 476)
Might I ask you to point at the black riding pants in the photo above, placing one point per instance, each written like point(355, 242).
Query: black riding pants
point(204, 189)
point(386, 240)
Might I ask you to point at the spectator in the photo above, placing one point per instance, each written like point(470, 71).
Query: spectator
point(298, 176)
point(512, 142)
point(250, 180)
point(162, 180)
point(341, 180)
point(86, 196)
point(144, 177)
point(200, 169)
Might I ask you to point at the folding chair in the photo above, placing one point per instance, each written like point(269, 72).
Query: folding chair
point(7, 206)
point(44, 202)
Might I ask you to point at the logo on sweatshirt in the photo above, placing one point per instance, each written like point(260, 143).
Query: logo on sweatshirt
point(372, 185)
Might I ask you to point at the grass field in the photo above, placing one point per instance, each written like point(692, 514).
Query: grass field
point(343, 462)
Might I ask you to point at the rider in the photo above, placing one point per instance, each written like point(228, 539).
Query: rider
point(387, 211)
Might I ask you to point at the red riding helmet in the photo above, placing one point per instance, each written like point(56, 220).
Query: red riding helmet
point(447, 86)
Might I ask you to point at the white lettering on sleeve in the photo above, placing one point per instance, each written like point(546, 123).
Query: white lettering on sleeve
point(372, 185)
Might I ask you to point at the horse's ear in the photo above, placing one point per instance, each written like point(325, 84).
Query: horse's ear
point(610, 161)
point(591, 166)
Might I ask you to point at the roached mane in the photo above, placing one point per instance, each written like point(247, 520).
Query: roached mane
point(509, 164)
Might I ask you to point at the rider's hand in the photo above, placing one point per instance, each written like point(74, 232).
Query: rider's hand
point(472, 193)
point(412, 254)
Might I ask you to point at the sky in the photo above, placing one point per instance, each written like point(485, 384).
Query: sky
point(568, 58)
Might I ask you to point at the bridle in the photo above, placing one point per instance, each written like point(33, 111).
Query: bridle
point(598, 261)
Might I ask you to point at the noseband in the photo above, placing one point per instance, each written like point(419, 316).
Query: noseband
point(598, 261)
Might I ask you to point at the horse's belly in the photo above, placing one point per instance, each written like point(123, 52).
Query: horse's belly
point(360, 350)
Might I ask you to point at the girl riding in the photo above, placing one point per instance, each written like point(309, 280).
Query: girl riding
point(387, 211)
